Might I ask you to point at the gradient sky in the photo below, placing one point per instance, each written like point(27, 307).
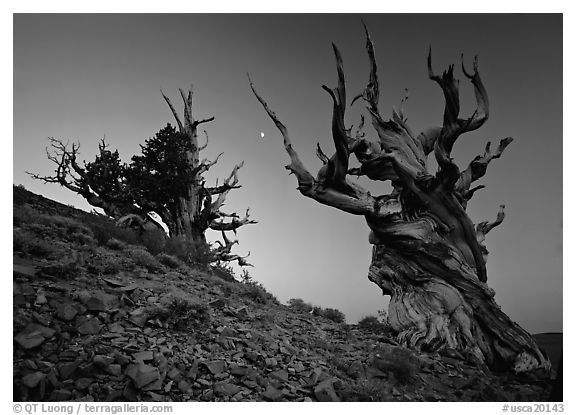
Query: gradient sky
point(80, 77)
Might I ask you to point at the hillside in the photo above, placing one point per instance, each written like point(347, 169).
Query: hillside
point(96, 318)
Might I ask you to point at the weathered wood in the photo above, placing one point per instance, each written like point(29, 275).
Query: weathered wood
point(427, 254)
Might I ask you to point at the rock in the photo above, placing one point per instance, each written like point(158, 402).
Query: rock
point(142, 374)
point(33, 335)
point(193, 371)
point(226, 389)
point(168, 386)
point(154, 386)
point(116, 328)
point(66, 312)
point(24, 270)
point(130, 392)
point(228, 332)
point(237, 370)
point(113, 282)
point(139, 317)
point(121, 359)
point(88, 325)
point(143, 356)
point(204, 382)
point(272, 394)
point(324, 391)
point(298, 367)
point(32, 379)
point(175, 374)
point(83, 383)
point(280, 375)
point(114, 370)
point(102, 361)
point(60, 395)
point(218, 304)
point(215, 366)
point(66, 370)
point(271, 362)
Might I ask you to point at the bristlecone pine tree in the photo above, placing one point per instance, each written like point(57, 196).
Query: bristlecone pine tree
point(166, 180)
point(427, 254)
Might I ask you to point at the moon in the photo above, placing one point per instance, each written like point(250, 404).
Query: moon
point(261, 134)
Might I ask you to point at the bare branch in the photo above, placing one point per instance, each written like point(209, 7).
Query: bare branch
point(180, 126)
point(371, 93)
point(478, 167)
point(205, 145)
point(305, 179)
point(484, 227)
point(205, 165)
point(231, 182)
point(233, 225)
point(198, 122)
point(334, 173)
point(453, 126)
point(320, 154)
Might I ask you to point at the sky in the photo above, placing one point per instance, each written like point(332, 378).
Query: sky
point(80, 77)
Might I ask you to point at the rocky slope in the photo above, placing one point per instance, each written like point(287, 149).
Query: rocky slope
point(110, 322)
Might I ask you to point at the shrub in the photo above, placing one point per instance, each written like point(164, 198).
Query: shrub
point(223, 271)
point(105, 229)
point(83, 239)
point(366, 390)
point(169, 260)
point(64, 270)
point(154, 241)
point(399, 361)
point(335, 315)
point(28, 244)
point(257, 293)
point(115, 244)
point(143, 258)
point(182, 314)
point(298, 305)
point(191, 252)
point(371, 323)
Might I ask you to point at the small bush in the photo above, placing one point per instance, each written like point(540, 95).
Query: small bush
point(298, 305)
point(182, 314)
point(258, 294)
point(28, 244)
point(115, 244)
point(83, 239)
point(67, 226)
point(105, 229)
point(335, 315)
point(366, 390)
point(154, 241)
point(371, 323)
point(191, 252)
point(143, 258)
point(399, 361)
point(223, 271)
point(64, 270)
point(170, 261)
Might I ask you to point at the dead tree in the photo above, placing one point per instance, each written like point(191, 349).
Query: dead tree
point(179, 196)
point(427, 254)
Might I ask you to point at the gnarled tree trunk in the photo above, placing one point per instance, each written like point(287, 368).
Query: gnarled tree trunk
point(427, 254)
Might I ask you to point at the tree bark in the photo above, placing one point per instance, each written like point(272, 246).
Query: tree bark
point(427, 254)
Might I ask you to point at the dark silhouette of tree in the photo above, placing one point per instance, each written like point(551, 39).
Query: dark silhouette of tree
point(166, 179)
